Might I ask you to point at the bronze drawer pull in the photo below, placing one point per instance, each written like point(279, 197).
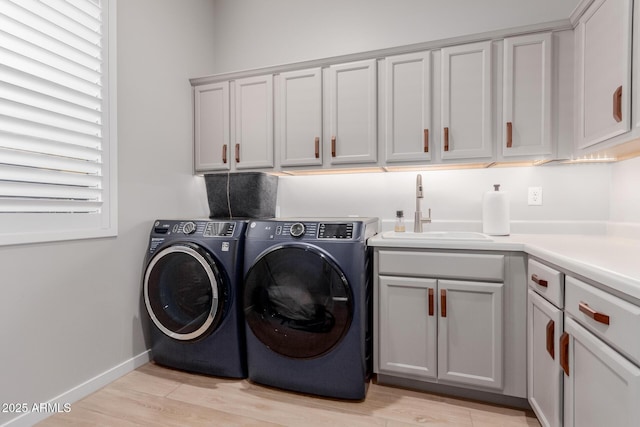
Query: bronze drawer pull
point(237, 153)
point(317, 147)
point(617, 104)
point(431, 302)
point(538, 281)
point(446, 139)
point(443, 302)
point(564, 352)
point(595, 315)
point(333, 146)
point(550, 338)
point(509, 134)
point(426, 141)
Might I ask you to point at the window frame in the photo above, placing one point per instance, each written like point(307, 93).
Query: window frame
point(23, 228)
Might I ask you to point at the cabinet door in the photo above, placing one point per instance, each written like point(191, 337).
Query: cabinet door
point(603, 62)
point(408, 326)
point(300, 118)
point(466, 115)
point(254, 122)
point(470, 336)
point(602, 388)
point(353, 112)
point(544, 327)
point(211, 133)
point(527, 96)
point(408, 107)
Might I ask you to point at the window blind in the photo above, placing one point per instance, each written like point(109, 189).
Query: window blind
point(52, 107)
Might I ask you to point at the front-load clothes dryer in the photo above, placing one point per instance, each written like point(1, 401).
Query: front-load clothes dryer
point(191, 287)
point(307, 305)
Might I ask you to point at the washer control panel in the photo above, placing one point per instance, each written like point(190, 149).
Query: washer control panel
point(197, 228)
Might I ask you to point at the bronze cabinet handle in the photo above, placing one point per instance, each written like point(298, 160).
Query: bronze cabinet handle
point(237, 153)
point(431, 302)
point(425, 141)
point(443, 302)
point(550, 338)
point(333, 146)
point(538, 281)
point(617, 104)
point(564, 352)
point(509, 134)
point(224, 153)
point(446, 139)
point(317, 147)
point(595, 315)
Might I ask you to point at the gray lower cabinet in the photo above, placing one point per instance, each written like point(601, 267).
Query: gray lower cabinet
point(456, 336)
point(545, 326)
point(449, 318)
point(600, 357)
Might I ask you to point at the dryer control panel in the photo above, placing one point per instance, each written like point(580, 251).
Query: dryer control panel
point(305, 230)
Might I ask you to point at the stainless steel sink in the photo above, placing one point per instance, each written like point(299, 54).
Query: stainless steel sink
point(438, 235)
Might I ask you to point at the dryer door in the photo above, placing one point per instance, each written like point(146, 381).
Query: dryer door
point(297, 301)
point(184, 291)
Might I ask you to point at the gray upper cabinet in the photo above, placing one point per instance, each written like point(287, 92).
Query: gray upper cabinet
point(407, 112)
point(212, 127)
point(526, 115)
point(603, 72)
point(353, 113)
point(466, 103)
point(299, 118)
point(253, 123)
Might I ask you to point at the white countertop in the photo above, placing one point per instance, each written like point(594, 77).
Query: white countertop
point(611, 261)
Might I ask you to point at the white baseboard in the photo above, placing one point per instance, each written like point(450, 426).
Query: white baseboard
point(82, 390)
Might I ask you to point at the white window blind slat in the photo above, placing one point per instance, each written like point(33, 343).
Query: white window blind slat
point(53, 113)
point(47, 87)
point(48, 117)
point(47, 162)
point(34, 190)
point(47, 72)
point(48, 103)
point(28, 128)
point(9, 206)
point(12, 38)
point(55, 177)
point(48, 146)
point(41, 18)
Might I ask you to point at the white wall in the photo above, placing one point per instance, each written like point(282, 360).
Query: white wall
point(70, 311)
point(257, 33)
point(574, 197)
point(625, 199)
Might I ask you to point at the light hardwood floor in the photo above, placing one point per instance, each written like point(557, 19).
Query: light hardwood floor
point(156, 396)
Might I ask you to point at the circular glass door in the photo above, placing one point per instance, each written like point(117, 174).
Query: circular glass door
point(297, 301)
point(183, 291)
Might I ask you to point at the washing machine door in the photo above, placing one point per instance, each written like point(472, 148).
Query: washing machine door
point(297, 301)
point(183, 291)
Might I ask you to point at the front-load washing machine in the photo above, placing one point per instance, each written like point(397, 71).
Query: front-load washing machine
point(191, 287)
point(307, 305)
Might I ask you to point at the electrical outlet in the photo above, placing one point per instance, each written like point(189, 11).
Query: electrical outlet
point(535, 196)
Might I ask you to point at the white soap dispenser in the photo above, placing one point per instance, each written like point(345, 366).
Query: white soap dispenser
point(495, 212)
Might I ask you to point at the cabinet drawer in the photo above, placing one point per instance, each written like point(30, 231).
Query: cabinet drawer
point(611, 318)
point(547, 282)
point(447, 265)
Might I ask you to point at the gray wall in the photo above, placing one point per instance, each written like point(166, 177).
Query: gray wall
point(70, 311)
point(257, 33)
